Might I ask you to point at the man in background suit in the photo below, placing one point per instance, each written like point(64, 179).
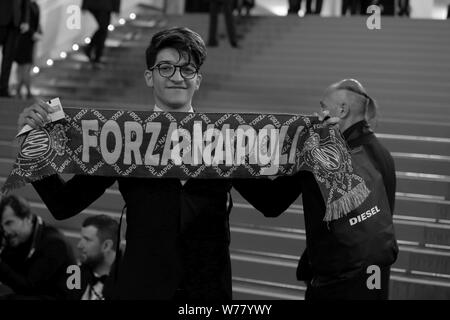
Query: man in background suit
point(14, 19)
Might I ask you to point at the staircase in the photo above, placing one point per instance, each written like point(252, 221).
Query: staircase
point(284, 66)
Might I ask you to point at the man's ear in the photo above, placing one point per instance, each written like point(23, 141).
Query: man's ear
point(344, 110)
point(198, 81)
point(29, 220)
point(148, 78)
point(107, 245)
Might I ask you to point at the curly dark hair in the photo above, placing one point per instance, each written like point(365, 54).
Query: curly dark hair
point(184, 40)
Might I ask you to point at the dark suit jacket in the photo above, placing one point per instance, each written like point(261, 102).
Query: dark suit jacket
point(102, 5)
point(177, 236)
point(88, 278)
point(14, 11)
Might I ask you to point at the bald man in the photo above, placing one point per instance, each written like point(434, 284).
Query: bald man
point(348, 101)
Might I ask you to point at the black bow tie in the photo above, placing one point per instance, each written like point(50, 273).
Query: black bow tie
point(96, 279)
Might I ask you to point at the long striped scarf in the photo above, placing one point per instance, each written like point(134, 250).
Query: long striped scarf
point(123, 143)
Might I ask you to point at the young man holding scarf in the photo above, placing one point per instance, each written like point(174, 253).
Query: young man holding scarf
point(177, 231)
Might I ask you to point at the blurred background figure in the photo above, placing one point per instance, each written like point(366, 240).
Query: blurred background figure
point(294, 6)
point(403, 8)
point(25, 50)
point(215, 7)
point(351, 5)
point(14, 18)
point(97, 247)
point(364, 4)
point(246, 5)
point(34, 256)
point(387, 7)
point(317, 7)
point(101, 10)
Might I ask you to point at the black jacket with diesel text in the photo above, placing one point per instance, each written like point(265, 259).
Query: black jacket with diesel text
point(273, 197)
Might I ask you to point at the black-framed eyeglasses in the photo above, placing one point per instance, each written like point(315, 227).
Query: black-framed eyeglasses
point(167, 70)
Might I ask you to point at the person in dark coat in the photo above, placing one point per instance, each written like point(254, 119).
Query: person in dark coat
point(178, 236)
point(34, 256)
point(14, 19)
point(348, 101)
point(101, 10)
point(25, 50)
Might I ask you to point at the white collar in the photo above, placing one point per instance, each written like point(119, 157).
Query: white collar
point(156, 108)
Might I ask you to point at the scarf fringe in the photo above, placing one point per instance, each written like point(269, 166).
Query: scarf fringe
point(21, 182)
point(348, 202)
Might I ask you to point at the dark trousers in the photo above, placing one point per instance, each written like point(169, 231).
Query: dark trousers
point(349, 4)
point(97, 44)
point(316, 10)
point(215, 6)
point(403, 8)
point(364, 5)
point(388, 7)
point(8, 40)
point(352, 289)
point(294, 6)
point(448, 12)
